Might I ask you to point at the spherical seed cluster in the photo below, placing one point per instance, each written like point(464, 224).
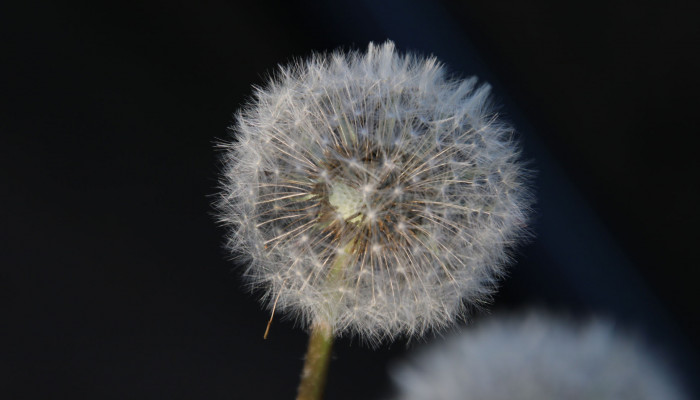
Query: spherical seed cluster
point(537, 357)
point(372, 193)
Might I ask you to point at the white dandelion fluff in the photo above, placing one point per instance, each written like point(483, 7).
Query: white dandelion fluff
point(373, 193)
point(537, 357)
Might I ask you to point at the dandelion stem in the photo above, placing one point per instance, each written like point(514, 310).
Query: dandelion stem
point(318, 355)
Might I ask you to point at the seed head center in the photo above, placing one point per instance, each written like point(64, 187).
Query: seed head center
point(346, 200)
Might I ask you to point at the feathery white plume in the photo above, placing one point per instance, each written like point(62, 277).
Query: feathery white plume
point(373, 193)
point(537, 357)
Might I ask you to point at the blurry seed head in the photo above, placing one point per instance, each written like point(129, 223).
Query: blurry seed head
point(536, 357)
point(370, 191)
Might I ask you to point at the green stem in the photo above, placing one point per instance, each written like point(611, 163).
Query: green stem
point(318, 355)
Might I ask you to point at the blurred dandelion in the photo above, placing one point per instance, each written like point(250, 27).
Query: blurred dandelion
point(536, 357)
point(373, 195)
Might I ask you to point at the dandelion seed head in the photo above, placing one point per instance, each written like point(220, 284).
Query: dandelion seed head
point(376, 159)
point(537, 356)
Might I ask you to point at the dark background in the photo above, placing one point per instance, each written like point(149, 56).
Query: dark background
point(113, 280)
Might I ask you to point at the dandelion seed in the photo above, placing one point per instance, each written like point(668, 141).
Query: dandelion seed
point(377, 160)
